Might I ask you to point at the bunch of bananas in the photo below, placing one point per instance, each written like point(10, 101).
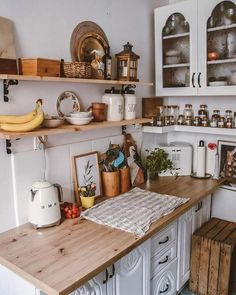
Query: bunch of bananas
point(27, 122)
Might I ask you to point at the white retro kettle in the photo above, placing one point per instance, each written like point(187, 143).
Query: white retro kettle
point(44, 205)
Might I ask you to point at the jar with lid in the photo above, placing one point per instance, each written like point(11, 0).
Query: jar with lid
point(188, 121)
point(159, 121)
point(172, 120)
point(221, 123)
point(228, 114)
point(205, 121)
point(130, 104)
point(115, 104)
point(167, 121)
point(215, 118)
point(197, 121)
point(203, 112)
point(229, 123)
point(181, 120)
point(188, 111)
point(174, 111)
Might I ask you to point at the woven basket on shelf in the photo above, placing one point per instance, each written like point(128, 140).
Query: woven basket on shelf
point(77, 69)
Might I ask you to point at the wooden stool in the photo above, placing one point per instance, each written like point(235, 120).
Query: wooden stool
point(213, 258)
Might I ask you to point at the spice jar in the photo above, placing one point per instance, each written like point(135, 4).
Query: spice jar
point(172, 120)
point(174, 111)
point(188, 111)
point(203, 112)
point(197, 121)
point(214, 122)
point(159, 121)
point(229, 123)
point(181, 120)
point(188, 121)
point(221, 123)
point(167, 121)
point(204, 121)
point(228, 114)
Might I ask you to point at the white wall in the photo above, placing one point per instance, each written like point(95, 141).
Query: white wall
point(44, 30)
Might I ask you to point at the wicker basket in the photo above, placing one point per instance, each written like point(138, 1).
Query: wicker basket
point(77, 69)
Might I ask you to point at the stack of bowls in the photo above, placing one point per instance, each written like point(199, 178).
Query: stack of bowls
point(79, 118)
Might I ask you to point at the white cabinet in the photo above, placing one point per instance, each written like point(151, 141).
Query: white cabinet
point(184, 248)
point(132, 273)
point(185, 33)
point(187, 225)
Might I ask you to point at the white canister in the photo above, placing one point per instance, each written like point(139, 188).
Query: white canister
point(115, 104)
point(130, 105)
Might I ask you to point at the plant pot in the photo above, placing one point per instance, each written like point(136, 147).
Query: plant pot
point(151, 176)
point(87, 202)
point(111, 183)
point(125, 183)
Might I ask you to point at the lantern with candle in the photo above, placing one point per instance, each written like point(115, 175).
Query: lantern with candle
point(127, 64)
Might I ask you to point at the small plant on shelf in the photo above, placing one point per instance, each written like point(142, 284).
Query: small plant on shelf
point(157, 161)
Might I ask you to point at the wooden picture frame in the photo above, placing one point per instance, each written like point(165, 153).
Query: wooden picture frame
point(78, 169)
point(227, 159)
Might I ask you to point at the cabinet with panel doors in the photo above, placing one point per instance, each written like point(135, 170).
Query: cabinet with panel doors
point(195, 48)
point(188, 223)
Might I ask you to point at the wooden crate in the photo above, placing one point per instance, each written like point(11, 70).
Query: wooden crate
point(150, 106)
point(40, 67)
point(213, 265)
point(8, 66)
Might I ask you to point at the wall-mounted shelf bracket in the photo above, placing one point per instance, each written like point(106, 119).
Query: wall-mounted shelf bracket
point(6, 84)
point(129, 86)
point(8, 146)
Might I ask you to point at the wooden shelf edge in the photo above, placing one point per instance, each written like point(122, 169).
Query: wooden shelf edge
point(71, 129)
point(72, 80)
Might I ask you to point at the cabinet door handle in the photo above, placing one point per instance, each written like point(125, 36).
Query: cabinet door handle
point(166, 289)
point(198, 208)
point(193, 80)
point(113, 271)
point(164, 261)
point(106, 279)
point(199, 80)
point(165, 241)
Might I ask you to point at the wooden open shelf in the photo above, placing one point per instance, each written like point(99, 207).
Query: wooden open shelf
point(181, 35)
point(71, 128)
point(71, 80)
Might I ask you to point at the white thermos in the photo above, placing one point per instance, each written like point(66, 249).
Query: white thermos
point(130, 104)
point(201, 159)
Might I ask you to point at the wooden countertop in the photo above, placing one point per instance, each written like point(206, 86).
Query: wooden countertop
point(58, 260)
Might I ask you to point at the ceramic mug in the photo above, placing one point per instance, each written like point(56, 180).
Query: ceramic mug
point(98, 111)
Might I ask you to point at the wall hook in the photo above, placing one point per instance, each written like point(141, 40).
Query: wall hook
point(6, 84)
point(8, 146)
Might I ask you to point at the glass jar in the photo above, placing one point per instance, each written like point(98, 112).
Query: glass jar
point(221, 123)
point(228, 114)
point(174, 111)
point(181, 120)
point(172, 120)
point(197, 121)
point(205, 121)
point(188, 121)
point(159, 121)
point(188, 111)
point(229, 123)
point(203, 112)
point(167, 121)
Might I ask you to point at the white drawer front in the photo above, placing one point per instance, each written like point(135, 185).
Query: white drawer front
point(159, 262)
point(163, 239)
point(164, 283)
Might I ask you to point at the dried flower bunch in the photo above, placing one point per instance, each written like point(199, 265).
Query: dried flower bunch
point(89, 187)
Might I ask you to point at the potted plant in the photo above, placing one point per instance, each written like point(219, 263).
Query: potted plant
point(87, 191)
point(157, 161)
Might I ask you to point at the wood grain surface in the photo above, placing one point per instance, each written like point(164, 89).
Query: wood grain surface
point(60, 259)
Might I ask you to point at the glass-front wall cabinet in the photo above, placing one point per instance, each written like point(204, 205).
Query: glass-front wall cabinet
point(175, 36)
point(195, 48)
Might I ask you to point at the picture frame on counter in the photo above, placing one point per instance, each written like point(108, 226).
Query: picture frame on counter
point(227, 159)
point(85, 169)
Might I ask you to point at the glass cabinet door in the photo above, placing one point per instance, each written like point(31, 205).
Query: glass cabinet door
point(176, 49)
point(217, 47)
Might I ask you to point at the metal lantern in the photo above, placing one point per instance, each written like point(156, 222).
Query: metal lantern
point(127, 64)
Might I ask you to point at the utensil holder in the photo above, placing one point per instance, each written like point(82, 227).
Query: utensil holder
point(111, 183)
point(125, 183)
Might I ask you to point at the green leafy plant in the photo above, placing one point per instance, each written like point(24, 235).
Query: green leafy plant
point(89, 187)
point(157, 161)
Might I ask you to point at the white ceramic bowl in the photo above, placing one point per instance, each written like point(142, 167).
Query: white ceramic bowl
point(81, 114)
point(79, 121)
point(52, 123)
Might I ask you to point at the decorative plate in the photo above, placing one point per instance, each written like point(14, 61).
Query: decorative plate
point(88, 43)
point(75, 105)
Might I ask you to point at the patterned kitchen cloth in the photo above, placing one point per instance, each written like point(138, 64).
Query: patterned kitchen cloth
point(133, 211)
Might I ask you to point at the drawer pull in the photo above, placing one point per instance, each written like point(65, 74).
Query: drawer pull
point(106, 279)
point(164, 261)
point(113, 271)
point(163, 242)
point(166, 289)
